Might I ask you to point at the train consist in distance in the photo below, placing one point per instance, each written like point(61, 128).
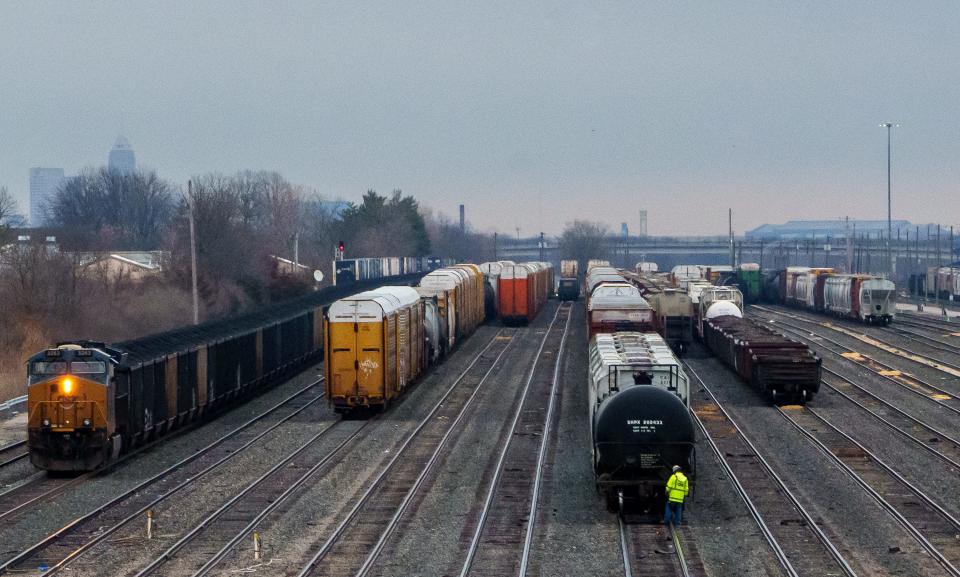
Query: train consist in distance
point(686, 305)
point(866, 298)
point(89, 402)
point(640, 423)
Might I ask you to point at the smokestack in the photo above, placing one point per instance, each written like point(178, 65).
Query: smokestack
point(463, 220)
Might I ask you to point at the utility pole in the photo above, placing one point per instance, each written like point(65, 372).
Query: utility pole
point(733, 260)
point(296, 252)
point(193, 255)
point(541, 247)
point(890, 262)
point(494, 247)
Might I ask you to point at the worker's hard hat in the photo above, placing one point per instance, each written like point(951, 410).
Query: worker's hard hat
point(676, 468)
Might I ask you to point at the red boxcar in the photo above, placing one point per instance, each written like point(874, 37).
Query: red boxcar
point(523, 290)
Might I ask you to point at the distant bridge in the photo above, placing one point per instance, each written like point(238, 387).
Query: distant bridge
point(865, 255)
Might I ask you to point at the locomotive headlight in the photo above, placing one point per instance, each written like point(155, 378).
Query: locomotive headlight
point(66, 386)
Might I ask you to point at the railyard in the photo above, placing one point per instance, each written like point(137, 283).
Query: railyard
point(484, 468)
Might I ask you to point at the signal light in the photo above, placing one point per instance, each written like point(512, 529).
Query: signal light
point(340, 246)
point(66, 386)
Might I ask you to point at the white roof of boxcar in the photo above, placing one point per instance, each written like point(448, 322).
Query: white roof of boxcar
point(522, 270)
point(444, 279)
point(371, 306)
point(618, 295)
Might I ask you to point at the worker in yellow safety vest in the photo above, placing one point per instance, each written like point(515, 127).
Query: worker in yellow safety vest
point(677, 489)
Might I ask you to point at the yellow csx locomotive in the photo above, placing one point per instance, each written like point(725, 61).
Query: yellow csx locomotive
point(70, 403)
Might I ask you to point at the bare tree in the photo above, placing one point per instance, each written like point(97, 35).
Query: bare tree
point(8, 206)
point(583, 240)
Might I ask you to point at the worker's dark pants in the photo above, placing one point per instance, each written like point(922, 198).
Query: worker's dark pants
point(673, 511)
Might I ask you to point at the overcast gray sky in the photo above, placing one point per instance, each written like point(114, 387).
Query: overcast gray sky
point(532, 113)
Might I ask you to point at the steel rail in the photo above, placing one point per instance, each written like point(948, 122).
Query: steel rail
point(60, 485)
point(217, 557)
point(768, 535)
point(408, 498)
point(209, 519)
point(538, 474)
point(625, 544)
point(887, 347)
point(488, 501)
point(328, 544)
point(10, 448)
point(933, 343)
point(239, 536)
point(899, 411)
point(804, 334)
point(106, 532)
point(886, 505)
point(624, 547)
point(678, 548)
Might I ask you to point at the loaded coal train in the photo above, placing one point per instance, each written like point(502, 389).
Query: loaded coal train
point(89, 402)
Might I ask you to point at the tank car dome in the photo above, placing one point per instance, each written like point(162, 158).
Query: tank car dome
point(724, 309)
point(642, 414)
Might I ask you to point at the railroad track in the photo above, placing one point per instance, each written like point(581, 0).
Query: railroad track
point(355, 544)
point(81, 534)
point(502, 540)
point(651, 550)
point(948, 339)
point(201, 549)
point(10, 454)
point(919, 358)
point(798, 542)
point(930, 524)
point(908, 382)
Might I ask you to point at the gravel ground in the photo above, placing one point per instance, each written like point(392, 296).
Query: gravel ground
point(575, 535)
point(921, 371)
point(866, 535)
point(429, 540)
point(898, 452)
point(300, 526)
point(184, 510)
point(920, 407)
point(13, 429)
point(33, 525)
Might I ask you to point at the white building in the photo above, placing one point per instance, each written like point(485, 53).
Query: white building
point(44, 183)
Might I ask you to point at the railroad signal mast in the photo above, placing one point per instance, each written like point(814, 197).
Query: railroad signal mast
point(338, 251)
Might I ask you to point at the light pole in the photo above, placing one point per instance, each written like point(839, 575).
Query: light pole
point(890, 260)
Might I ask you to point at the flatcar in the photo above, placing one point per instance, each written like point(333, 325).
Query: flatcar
point(639, 412)
point(785, 370)
point(156, 384)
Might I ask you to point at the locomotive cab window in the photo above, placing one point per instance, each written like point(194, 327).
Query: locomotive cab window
point(87, 367)
point(49, 368)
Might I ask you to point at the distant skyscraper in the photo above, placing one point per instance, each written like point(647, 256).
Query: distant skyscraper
point(44, 183)
point(122, 158)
